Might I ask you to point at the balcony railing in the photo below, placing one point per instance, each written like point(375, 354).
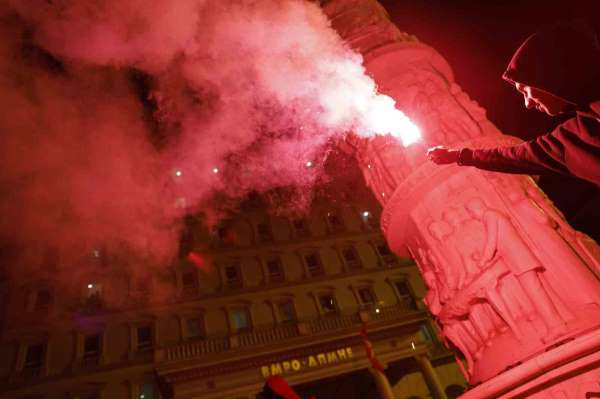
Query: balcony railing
point(333, 322)
point(280, 333)
point(197, 348)
point(391, 312)
point(268, 335)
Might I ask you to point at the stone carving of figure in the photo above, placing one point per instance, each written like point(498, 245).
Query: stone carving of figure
point(451, 270)
point(565, 268)
point(456, 332)
point(479, 325)
point(451, 329)
point(485, 322)
point(468, 241)
point(432, 298)
point(504, 242)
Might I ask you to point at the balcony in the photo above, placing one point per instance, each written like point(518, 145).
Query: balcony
point(193, 349)
point(273, 335)
point(267, 335)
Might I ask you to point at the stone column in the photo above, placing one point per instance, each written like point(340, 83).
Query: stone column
point(383, 384)
point(509, 280)
point(431, 378)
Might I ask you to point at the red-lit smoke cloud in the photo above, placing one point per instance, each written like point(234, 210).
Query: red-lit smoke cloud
point(253, 88)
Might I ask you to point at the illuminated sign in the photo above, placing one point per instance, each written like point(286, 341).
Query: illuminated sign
point(317, 360)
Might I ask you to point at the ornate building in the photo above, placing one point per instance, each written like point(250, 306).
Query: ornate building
point(258, 296)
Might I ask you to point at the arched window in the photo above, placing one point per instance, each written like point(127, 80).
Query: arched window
point(453, 391)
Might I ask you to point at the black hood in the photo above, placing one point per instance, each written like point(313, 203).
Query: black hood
point(563, 60)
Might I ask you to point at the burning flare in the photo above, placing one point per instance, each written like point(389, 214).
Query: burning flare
point(349, 96)
point(383, 117)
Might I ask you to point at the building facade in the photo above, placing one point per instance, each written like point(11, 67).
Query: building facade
point(259, 295)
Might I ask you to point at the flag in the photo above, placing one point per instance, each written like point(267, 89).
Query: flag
point(280, 387)
point(375, 363)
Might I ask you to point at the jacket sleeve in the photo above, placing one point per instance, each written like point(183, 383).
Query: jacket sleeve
point(541, 156)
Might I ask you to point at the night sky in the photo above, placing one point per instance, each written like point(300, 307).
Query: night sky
point(478, 39)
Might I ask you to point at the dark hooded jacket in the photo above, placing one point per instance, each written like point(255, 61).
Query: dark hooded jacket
point(563, 61)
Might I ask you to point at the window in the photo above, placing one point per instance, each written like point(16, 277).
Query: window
point(91, 349)
point(94, 290)
point(226, 236)
point(43, 299)
point(287, 313)
point(232, 276)
point(301, 228)
point(195, 327)
point(275, 270)
point(386, 254)
point(186, 241)
point(314, 265)
point(147, 390)
point(222, 233)
point(369, 220)
point(100, 256)
point(34, 360)
point(240, 319)
point(189, 283)
point(405, 296)
point(366, 296)
point(427, 334)
point(351, 258)
point(328, 304)
point(93, 297)
point(454, 391)
point(334, 222)
point(264, 232)
point(144, 338)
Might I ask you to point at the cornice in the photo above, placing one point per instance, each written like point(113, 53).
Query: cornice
point(175, 376)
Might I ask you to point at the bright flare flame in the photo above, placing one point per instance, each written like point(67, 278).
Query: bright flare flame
point(350, 99)
point(382, 116)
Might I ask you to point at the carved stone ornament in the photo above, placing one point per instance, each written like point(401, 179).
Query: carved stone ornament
point(510, 283)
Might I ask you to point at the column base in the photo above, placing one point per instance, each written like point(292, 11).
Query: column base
point(570, 371)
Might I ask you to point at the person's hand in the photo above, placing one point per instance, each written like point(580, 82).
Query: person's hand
point(442, 155)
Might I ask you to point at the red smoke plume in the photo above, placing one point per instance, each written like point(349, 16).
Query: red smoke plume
point(117, 117)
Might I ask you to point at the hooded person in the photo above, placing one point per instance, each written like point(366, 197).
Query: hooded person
point(557, 71)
